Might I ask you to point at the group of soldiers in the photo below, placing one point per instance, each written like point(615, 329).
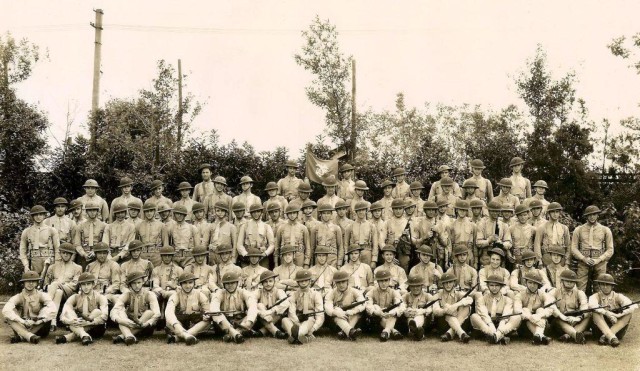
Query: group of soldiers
point(461, 260)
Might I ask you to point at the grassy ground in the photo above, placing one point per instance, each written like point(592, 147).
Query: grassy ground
point(325, 353)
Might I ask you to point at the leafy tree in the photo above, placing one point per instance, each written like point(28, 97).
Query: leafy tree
point(17, 59)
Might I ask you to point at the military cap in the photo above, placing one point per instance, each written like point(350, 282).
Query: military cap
point(303, 275)
point(569, 275)
point(91, 205)
point(135, 245)
point(30, 276)
point(119, 207)
point(86, 277)
point(470, 183)
point(149, 205)
point(361, 185)
point(167, 250)
point(605, 278)
point(204, 166)
point(237, 206)
point(197, 206)
point(376, 206)
point(505, 182)
point(246, 179)
point(322, 250)
point(416, 185)
point(516, 161)
point(330, 181)
point(67, 247)
point(271, 186)
point(534, 276)
point(497, 251)
point(388, 248)
point(287, 249)
point(415, 280)
point(382, 274)
point(591, 209)
point(528, 254)
point(425, 249)
point(457, 250)
point(461, 204)
point(556, 249)
point(90, 183)
point(255, 207)
point(220, 179)
point(125, 181)
point(397, 204)
point(442, 202)
point(100, 247)
point(429, 205)
point(200, 250)
point(60, 201)
point(134, 276)
point(272, 206)
point(475, 203)
point(354, 247)
point(446, 181)
point(340, 204)
point(521, 209)
point(494, 278)
point(224, 248)
point(398, 171)
point(185, 277)
point(135, 204)
point(180, 209)
point(155, 184)
point(554, 206)
point(477, 163)
point(266, 275)
point(304, 187)
point(291, 209)
point(494, 205)
point(361, 205)
point(325, 206)
point(340, 276)
point(346, 167)
point(540, 183)
point(74, 205)
point(222, 205)
point(252, 251)
point(409, 203)
point(447, 277)
point(309, 203)
point(387, 183)
point(291, 163)
point(442, 168)
point(184, 185)
point(38, 209)
point(507, 207)
point(535, 204)
point(230, 277)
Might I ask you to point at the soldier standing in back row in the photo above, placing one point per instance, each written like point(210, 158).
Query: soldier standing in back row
point(540, 188)
point(485, 189)
point(90, 189)
point(505, 197)
point(156, 188)
point(346, 185)
point(204, 188)
point(126, 184)
point(521, 185)
point(38, 243)
point(63, 224)
point(359, 188)
point(246, 197)
point(436, 189)
point(402, 188)
point(185, 189)
point(387, 199)
point(288, 186)
point(272, 191)
point(218, 194)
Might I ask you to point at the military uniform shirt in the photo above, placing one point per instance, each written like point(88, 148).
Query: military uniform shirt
point(107, 275)
point(103, 208)
point(64, 225)
point(29, 305)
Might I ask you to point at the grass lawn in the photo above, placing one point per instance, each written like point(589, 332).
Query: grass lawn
point(325, 353)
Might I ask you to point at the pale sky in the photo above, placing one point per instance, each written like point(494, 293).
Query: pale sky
point(240, 56)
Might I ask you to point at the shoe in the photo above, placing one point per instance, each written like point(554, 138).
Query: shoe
point(545, 340)
point(35, 339)
point(130, 340)
point(492, 339)
point(15, 339)
point(291, 340)
point(413, 327)
point(171, 339)
point(342, 335)
point(505, 340)
point(418, 334)
point(53, 327)
point(614, 342)
point(396, 335)
point(384, 336)
point(86, 340)
point(117, 339)
point(257, 334)
point(238, 339)
point(537, 340)
point(465, 337)
point(280, 335)
point(191, 340)
point(61, 339)
point(603, 340)
point(588, 334)
point(354, 333)
point(446, 337)
point(227, 338)
point(295, 330)
point(565, 338)
point(580, 339)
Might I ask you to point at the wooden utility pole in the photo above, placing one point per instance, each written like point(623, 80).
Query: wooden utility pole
point(95, 96)
point(179, 104)
point(353, 110)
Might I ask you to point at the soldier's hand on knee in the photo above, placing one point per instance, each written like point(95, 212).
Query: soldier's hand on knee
point(28, 323)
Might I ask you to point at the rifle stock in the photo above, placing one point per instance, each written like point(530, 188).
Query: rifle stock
point(622, 308)
point(353, 305)
point(391, 307)
point(575, 313)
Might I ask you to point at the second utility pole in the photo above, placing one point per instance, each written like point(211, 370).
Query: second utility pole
point(95, 95)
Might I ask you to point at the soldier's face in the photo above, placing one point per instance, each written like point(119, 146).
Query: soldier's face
point(397, 212)
point(362, 213)
point(225, 256)
point(477, 171)
point(187, 286)
point(443, 209)
point(605, 288)
point(39, 218)
point(92, 213)
point(246, 186)
point(470, 190)
point(133, 213)
point(239, 214)
point(101, 256)
point(415, 289)
point(292, 216)
point(220, 213)
point(77, 211)
point(254, 260)
point(199, 215)
point(568, 285)
point(446, 189)
point(462, 258)
point(342, 286)
point(321, 259)
point(425, 258)
point(231, 286)
point(388, 256)
point(218, 186)
point(360, 192)
point(495, 260)
point(206, 174)
point(157, 191)
point(444, 173)
point(431, 213)
point(288, 257)
point(268, 284)
point(291, 171)
point(66, 256)
point(272, 192)
point(307, 211)
point(532, 286)
point(554, 215)
point(135, 254)
point(303, 195)
point(399, 178)
point(556, 258)
point(342, 212)
point(166, 258)
point(494, 288)
point(416, 192)
point(199, 259)
point(494, 214)
point(274, 214)
point(507, 215)
point(256, 215)
point(150, 214)
point(120, 216)
point(523, 217)
point(331, 190)
point(517, 168)
point(304, 284)
point(87, 287)
point(592, 218)
point(136, 285)
point(354, 255)
point(477, 211)
point(540, 190)
point(462, 213)
point(448, 286)
point(377, 214)
point(126, 190)
point(90, 191)
point(529, 262)
point(30, 285)
point(505, 190)
point(179, 217)
point(387, 190)
point(536, 212)
point(384, 283)
point(61, 209)
point(347, 174)
point(326, 216)
point(410, 210)
point(184, 193)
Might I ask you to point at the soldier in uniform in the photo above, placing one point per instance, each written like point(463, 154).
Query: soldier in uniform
point(328, 235)
point(436, 188)
point(126, 184)
point(134, 210)
point(149, 232)
point(62, 278)
point(135, 264)
point(251, 273)
point(492, 232)
point(485, 189)
point(106, 272)
point(30, 312)
point(136, 312)
point(201, 224)
point(287, 270)
point(540, 188)
point(119, 234)
point(363, 233)
point(289, 185)
point(218, 194)
point(330, 185)
point(360, 274)
point(336, 303)
point(537, 217)
point(377, 210)
point(508, 215)
point(182, 236)
point(384, 305)
point(156, 188)
point(294, 233)
point(341, 218)
point(552, 233)
point(240, 214)
point(359, 188)
point(592, 246)
point(275, 221)
point(63, 224)
point(239, 307)
point(415, 188)
point(402, 188)
point(164, 277)
point(90, 196)
point(396, 228)
point(387, 199)
point(491, 304)
point(272, 305)
point(479, 211)
point(415, 312)
point(555, 268)
point(462, 232)
point(446, 197)
point(87, 234)
point(429, 271)
point(470, 188)
point(246, 197)
point(398, 274)
point(222, 233)
point(522, 235)
point(185, 200)
point(306, 310)
point(307, 217)
point(494, 268)
point(531, 303)
point(304, 191)
point(38, 243)
point(164, 214)
point(272, 191)
point(322, 272)
point(452, 310)
point(569, 298)
point(185, 310)
point(256, 234)
point(346, 185)
point(517, 282)
point(85, 313)
point(435, 234)
point(466, 276)
point(610, 326)
point(204, 273)
point(506, 198)
point(204, 188)
point(521, 185)
point(75, 212)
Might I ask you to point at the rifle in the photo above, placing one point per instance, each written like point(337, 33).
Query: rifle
point(622, 308)
point(427, 305)
point(305, 316)
point(470, 290)
point(497, 243)
point(391, 307)
point(278, 302)
point(575, 313)
point(499, 318)
point(353, 305)
point(226, 313)
point(43, 275)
